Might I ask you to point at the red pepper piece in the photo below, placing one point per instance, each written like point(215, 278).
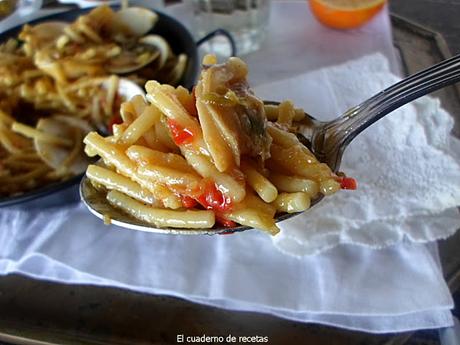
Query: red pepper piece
point(180, 134)
point(348, 183)
point(202, 200)
point(188, 202)
point(227, 223)
point(213, 199)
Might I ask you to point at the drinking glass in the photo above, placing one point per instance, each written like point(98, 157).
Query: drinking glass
point(246, 20)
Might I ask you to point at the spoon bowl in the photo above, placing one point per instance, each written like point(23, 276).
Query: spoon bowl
point(326, 140)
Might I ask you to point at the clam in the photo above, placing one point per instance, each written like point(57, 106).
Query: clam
point(138, 20)
point(150, 48)
point(75, 122)
point(130, 61)
point(162, 46)
point(43, 34)
point(66, 156)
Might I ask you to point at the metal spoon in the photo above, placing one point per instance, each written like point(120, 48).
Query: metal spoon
point(327, 140)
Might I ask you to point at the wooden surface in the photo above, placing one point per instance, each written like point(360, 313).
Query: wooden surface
point(78, 314)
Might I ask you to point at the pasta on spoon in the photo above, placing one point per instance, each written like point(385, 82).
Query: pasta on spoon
point(217, 154)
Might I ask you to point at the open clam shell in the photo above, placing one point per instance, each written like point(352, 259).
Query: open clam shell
point(138, 20)
point(150, 48)
point(129, 61)
point(43, 34)
point(61, 157)
point(161, 45)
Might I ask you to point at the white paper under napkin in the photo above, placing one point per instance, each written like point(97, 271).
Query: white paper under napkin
point(407, 165)
point(394, 289)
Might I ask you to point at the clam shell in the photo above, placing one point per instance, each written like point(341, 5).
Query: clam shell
point(161, 44)
point(44, 34)
point(126, 61)
point(54, 155)
point(138, 20)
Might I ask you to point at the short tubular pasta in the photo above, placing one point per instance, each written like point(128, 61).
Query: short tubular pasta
point(286, 183)
point(286, 113)
point(170, 177)
point(114, 181)
point(266, 190)
point(114, 155)
point(163, 137)
point(150, 115)
point(329, 186)
point(292, 202)
point(271, 111)
point(160, 217)
point(170, 106)
point(225, 182)
point(255, 202)
point(211, 155)
point(254, 218)
point(143, 155)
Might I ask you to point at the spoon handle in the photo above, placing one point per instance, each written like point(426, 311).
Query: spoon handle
point(334, 136)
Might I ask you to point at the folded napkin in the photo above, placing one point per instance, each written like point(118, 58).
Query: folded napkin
point(394, 289)
point(407, 165)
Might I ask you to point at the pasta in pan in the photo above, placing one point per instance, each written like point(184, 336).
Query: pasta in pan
point(43, 122)
point(217, 154)
point(58, 81)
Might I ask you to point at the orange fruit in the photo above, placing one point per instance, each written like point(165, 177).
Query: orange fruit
point(345, 14)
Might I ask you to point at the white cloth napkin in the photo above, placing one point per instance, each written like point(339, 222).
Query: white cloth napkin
point(394, 289)
point(407, 165)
